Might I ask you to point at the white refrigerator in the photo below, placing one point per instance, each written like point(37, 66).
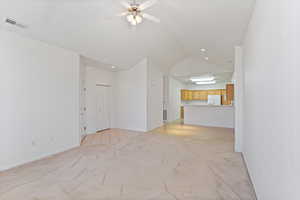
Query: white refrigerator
point(214, 100)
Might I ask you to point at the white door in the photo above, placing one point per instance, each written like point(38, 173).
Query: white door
point(103, 108)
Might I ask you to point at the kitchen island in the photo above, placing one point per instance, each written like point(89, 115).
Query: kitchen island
point(209, 115)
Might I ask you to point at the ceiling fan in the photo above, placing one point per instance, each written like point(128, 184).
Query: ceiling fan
point(134, 12)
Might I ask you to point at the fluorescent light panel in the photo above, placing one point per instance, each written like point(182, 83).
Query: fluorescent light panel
point(206, 82)
point(202, 79)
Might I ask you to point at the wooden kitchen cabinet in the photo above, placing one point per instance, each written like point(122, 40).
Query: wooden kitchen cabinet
point(230, 92)
point(196, 95)
point(182, 112)
point(190, 95)
point(199, 95)
point(202, 95)
point(213, 92)
point(223, 92)
point(186, 95)
point(183, 95)
point(224, 101)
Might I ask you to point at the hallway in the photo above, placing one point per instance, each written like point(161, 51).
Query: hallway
point(172, 162)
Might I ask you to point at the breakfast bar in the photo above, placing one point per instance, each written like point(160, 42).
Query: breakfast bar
point(209, 115)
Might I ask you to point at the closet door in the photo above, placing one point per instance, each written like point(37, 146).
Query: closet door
point(103, 108)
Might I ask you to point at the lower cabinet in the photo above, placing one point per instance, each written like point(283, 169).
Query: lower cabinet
point(182, 112)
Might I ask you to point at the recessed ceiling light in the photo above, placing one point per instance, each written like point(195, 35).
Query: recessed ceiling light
point(206, 58)
point(203, 50)
point(113, 67)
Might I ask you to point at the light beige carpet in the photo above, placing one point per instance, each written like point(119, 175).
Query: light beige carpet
point(174, 162)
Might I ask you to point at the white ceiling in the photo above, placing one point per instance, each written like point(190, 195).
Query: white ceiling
point(196, 66)
point(90, 28)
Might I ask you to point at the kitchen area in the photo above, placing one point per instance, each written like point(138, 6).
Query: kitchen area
point(208, 103)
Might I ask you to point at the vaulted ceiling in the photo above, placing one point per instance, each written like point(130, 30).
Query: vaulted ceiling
point(91, 28)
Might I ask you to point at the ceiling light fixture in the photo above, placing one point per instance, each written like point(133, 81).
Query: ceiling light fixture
point(113, 67)
point(206, 83)
point(206, 58)
point(134, 18)
point(203, 50)
point(135, 12)
point(202, 79)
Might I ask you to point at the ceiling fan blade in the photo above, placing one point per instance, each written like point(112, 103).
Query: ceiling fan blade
point(125, 4)
point(151, 18)
point(147, 4)
point(122, 14)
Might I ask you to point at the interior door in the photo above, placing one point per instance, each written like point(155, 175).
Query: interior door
point(103, 108)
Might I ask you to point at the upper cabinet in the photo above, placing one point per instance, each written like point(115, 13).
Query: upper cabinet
point(199, 95)
point(184, 95)
point(202, 95)
point(214, 92)
point(190, 95)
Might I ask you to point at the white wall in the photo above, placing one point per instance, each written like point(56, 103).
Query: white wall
point(132, 91)
point(94, 76)
point(131, 97)
point(39, 86)
point(155, 96)
point(238, 79)
point(272, 84)
point(174, 99)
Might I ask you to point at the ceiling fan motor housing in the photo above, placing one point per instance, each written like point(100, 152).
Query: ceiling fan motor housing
point(134, 8)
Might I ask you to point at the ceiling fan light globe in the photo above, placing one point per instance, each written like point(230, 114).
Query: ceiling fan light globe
point(133, 23)
point(130, 18)
point(138, 19)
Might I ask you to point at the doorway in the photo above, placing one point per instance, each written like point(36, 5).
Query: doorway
point(102, 108)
